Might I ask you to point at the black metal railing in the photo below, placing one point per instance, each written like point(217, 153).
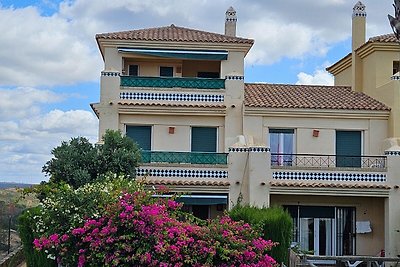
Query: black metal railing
point(328, 161)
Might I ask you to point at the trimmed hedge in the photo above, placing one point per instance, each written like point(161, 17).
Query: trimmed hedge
point(32, 256)
point(275, 224)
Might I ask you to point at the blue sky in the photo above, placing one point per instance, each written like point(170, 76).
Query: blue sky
point(50, 64)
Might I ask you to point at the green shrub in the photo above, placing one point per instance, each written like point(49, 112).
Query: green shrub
point(275, 224)
point(33, 257)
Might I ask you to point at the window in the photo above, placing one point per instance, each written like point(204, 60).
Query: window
point(204, 139)
point(141, 135)
point(208, 74)
point(396, 67)
point(166, 71)
point(281, 143)
point(324, 230)
point(348, 149)
point(133, 70)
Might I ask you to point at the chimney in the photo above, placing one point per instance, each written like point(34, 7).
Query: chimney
point(230, 22)
point(358, 26)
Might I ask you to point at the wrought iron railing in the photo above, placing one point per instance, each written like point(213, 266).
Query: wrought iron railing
point(184, 157)
point(171, 82)
point(328, 161)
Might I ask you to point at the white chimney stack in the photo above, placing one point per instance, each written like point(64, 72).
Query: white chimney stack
point(230, 22)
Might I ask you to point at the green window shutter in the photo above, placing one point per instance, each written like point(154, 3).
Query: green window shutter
point(141, 135)
point(204, 139)
point(348, 148)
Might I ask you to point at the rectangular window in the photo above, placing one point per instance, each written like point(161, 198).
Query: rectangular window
point(281, 143)
point(166, 71)
point(133, 70)
point(141, 135)
point(348, 149)
point(396, 67)
point(204, 139)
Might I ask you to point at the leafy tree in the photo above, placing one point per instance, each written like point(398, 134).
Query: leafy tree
point(73, 162)
point(78, 162)
point(118, 155)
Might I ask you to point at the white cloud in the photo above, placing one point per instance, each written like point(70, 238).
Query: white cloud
point(37, 50)
point(319, 77)
point(22, 101)
point(28, 134)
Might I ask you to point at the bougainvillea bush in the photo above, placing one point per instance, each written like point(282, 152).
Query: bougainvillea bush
point(136, 229)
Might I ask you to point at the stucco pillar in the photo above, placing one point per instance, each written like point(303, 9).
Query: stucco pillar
point(108, 107)
point(259, 173)
point(234, 109)
point(392, 205)
point(238, 164)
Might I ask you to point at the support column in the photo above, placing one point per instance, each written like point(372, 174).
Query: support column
point(392, 207)
point(259, 172)
point(238, 165)
point(108, 107)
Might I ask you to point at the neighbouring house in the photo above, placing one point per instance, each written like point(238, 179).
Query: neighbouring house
point(316, 150)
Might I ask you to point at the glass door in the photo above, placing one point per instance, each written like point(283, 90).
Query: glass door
point(316, 236)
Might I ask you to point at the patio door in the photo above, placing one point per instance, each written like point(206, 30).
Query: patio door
point(317, 235)
point(348, 149)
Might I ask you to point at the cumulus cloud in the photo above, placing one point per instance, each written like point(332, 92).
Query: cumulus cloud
point(28, 133)
point(319, 77)
point(21, 101)
point(38, 50)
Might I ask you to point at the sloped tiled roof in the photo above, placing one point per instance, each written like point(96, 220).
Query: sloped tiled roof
point(187, 182)
point(328, 185)
point(384, 38)
point(175, 34)
point(308, 97)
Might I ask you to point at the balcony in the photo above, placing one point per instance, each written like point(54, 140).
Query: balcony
point(185, 157)
point(328, 161)
point(171, 82)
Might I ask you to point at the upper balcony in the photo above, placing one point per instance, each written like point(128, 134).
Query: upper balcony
point(172, 82)
point(208, 158)
point(320, 161)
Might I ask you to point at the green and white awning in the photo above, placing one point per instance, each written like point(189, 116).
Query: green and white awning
point(178, 53)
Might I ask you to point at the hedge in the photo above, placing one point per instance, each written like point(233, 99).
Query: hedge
point(275, 224)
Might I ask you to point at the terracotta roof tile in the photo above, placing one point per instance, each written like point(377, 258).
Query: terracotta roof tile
point(188, 105)
point(187, 182)
point(308, 97)
point(174, 34)
point(328, 185)
point(384, 38)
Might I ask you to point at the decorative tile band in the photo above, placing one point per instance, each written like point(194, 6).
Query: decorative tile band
point(392, 153)
point(110, 73)
point(186, 173)
point(395, 78)
point(232, 77)
point(337, 176)
point(238, 149)
point(171, 97)
point(259, 149)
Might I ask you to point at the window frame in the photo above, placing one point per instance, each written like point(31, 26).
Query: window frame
point(216, 138)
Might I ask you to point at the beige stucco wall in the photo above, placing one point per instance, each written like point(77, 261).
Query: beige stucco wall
point(234, 65)
point(151, 67)
point(374, 132)
point(367, 209)
point(343, 78)
point(180, 140)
